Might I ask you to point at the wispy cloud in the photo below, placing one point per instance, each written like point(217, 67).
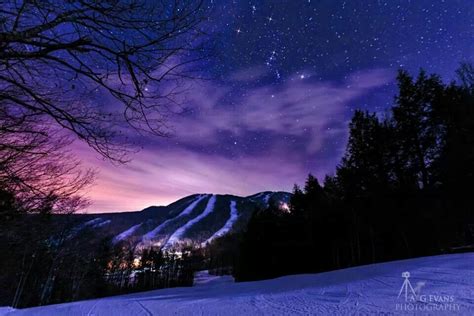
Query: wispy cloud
point(313, 113)
point(158, 179)
point(300, 107)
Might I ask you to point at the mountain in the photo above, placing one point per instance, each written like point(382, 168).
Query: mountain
point(198, 219)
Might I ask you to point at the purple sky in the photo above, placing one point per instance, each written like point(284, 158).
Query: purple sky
point(301, 116)
point(286, 81)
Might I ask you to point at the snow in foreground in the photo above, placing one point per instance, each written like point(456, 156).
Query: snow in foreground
point(441, 285)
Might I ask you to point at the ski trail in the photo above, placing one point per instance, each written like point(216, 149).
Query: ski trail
point(227, 226)
point(257, 196)
point(94, 221)
point(176, 236)
point(186, 211)
point(101, 224)
point(125, 234)
point(266, 199)
point(263, 197)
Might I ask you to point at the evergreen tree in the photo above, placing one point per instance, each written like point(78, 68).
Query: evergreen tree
point(418, 134)
point(402, 189)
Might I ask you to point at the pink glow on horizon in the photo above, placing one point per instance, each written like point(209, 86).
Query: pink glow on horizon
point(160, 180)
point(314, 113)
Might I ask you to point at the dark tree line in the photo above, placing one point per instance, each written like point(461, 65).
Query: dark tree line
point(45, 260)
point(221, 254)
point(65, 262)
point(129, 270)
point(401, 190)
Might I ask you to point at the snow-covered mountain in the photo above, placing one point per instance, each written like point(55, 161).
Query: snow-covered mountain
point(440, 285)
point(198, 218)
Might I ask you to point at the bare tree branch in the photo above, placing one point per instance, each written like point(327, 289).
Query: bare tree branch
point(52, 55)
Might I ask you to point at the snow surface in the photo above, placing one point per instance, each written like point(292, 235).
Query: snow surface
point(93, 221)
point(125, 234)
point(101, 224)
point(266, 199)
point(152, 234)
point(179, 233)
point(365, 290)
point(263, 196)
point(227, 226)
point(203, 278)
point(5, 310)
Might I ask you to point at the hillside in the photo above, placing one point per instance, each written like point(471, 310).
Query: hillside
point(443, 285)
point(198, 218)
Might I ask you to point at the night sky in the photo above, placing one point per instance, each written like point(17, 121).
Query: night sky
point(279, 92)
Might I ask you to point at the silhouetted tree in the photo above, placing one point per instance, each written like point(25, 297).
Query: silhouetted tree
point(402, 189)
point(58, 63)
point(58, 60)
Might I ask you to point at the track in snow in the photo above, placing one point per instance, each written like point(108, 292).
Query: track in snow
point(365, 290)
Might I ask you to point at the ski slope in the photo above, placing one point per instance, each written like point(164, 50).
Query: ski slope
point(365, 290)
point(152, 234)
point(125, 234)
point(227, 226)
point(179, 233)
point(264, 196)
point(101, 224)
point(159, 223)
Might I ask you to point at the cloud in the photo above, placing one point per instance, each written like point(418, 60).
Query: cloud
point(305, 123)
point(298, 108)
point(158, 179)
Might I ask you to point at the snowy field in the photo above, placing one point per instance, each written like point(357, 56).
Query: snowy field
point(441, 285)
